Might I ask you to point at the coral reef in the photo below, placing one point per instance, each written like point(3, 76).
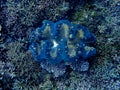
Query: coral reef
point(62, 42)
point(103, 19)
point(6, 75)
point(18, 16)
point(27, 72)
point(18, 69)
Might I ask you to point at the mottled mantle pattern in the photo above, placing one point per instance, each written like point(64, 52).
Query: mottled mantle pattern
point(62, 43)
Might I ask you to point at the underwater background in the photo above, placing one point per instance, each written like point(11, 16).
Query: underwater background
point(59, 44)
